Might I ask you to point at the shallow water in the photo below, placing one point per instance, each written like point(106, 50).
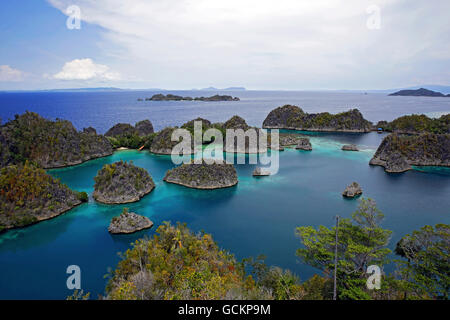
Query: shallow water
point(258, 216)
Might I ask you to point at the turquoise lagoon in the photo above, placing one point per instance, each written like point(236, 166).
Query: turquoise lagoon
point(258, 216)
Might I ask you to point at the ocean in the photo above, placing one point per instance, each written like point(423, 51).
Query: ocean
point(258, 216)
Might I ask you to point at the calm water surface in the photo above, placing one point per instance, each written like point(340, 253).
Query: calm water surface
point(258, 216)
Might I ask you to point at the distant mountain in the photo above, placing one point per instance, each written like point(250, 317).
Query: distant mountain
point(225, 89)
point(421, 92)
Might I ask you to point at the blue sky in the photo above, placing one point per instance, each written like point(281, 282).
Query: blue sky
point(259, 44)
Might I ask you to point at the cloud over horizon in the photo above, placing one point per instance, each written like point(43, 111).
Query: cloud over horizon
point(287, 44)
point(9, 74)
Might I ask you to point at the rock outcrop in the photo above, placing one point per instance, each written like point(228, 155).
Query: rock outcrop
point(350, 147)
point(29, 195)
point(129, 222)
point(162, 142)
point(304, 144)
point(292, 117)
point(51, 144)
point(260, 172)
point(203, 176)
point(397, 153)
point(352, 190)
point(142, 128)
point(122, 182)
point(416, 123)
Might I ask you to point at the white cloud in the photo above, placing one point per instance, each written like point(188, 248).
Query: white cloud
point(278, 44)
point(85, 69)
point(8, 74)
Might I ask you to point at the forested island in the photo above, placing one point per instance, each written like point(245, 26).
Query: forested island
point(293, 117)
point(172, 97)
point(422, 92)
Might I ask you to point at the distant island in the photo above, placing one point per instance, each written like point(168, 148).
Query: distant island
point(172, 97)
point(422, 92)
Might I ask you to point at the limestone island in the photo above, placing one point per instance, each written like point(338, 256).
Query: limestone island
point(129, 222)
point(294, 118)
point(51, 144)
point(416, 123)
point(162, 142)
point(29, 195)
point(397, 153)
point(122, 182)
point(349, 147)
point(172, 97)
point(304, 144)
point(203, 176)
point(124, 135)
point(352, 190)
point(422, 92)
point(260, 172)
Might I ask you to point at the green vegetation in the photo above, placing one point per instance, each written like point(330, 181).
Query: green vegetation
point(132, 141)
point(83, 196)
point(178, 264)
point(417, 124)
point(48, 143)
point(29, 195)
point(427, 269)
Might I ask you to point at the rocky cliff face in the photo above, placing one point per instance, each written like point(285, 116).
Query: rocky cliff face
point(29, 195)
point(141, 129)
point(292, 117)
point(397, 153)
point(51, 144)
point(203, 176)
point(162, 142)
point(129, 222)
point(122, 182)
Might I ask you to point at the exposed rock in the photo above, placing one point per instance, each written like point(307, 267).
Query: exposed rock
point(203, 176)
point(350, 147)
point(162, 142)
point(51, 144)
point(260, 172)
point(122, 182)
point(397, 153)
point(29, 195)
point(129, 222)
point(236, 122)
point(292, 117)
point(90, 130)
point(144, 128)
point(352, 190)
point(304, 144)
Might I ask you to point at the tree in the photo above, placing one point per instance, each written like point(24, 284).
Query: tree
point(427, 268)
point(362, 242)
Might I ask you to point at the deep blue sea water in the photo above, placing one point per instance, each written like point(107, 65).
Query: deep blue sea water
point(258, 216)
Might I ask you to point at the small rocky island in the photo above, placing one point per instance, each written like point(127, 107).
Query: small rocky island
point(122, 182)
point(172, 97)
point(397, 153)
point(203, 176)
point(29, 195)
point(350, 147)
point(416, 123)
point(260, 172)
point(304, 144)
point(422, 92)
point(129, 222)
point(294, 118)
point(51, 144)
point(353, 190)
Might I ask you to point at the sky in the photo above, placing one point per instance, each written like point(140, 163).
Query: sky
point(257, 44)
